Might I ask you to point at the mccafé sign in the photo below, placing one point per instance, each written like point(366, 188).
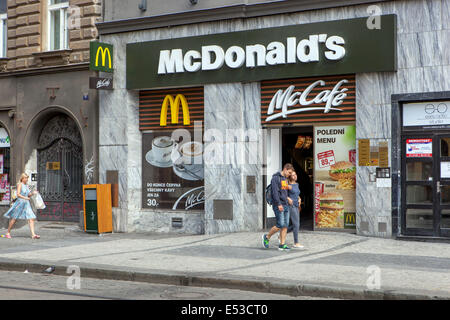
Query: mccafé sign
point(304, 50)
point(318, 99)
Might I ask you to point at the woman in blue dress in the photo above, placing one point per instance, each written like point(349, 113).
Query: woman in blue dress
point(21, 209)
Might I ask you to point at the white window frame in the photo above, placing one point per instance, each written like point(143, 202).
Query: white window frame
point(63, 18)
point(3, 42)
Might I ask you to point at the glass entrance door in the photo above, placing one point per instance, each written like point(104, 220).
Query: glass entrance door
point(443, 185)
point(426, 185)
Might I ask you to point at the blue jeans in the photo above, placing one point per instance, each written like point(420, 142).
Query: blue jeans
point(282, 217)
point(295, 218)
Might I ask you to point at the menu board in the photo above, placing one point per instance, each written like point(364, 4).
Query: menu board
point(335, 177)
point(172, 172)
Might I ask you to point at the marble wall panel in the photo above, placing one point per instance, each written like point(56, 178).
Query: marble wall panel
point(373, 121)
point(445, 14)
point(113, 131)
point(108, 100)
point(417, 15)
point(446, 76)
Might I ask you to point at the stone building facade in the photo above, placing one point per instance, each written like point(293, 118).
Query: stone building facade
point(46, 106)
point(421, 75)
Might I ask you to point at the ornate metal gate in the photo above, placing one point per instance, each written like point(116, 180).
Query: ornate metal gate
point(60, 170)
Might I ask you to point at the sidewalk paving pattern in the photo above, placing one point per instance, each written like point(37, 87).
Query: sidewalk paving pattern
point(332, 264)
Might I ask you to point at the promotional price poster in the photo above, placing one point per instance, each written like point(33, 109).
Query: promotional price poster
point(335, 177)
point(172, 172)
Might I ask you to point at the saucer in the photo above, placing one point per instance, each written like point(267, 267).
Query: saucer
point(151, 159)
point(187, 176)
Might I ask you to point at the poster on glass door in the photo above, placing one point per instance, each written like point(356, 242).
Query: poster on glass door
point(419, 148)
point(335, 177)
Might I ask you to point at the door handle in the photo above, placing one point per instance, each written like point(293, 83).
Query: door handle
point(438, 185)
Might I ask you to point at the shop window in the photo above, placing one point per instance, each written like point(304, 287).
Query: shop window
point(5, 186)
point(445, 150)
point(58, 31)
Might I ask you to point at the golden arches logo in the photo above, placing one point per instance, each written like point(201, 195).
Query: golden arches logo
point(174, 110)
point(103, 52)
point(350, 219)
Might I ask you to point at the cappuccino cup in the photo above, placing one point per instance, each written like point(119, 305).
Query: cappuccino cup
point(191, 153)
point(162, 148)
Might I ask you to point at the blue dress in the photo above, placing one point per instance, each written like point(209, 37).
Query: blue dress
point(21, 209)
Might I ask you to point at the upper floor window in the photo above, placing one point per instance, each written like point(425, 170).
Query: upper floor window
point(58, 31)
point(3, 35)
point(3, 29)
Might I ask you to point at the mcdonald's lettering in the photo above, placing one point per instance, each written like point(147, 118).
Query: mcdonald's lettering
point(103, 52)
point(174, 110)
point(102, 56)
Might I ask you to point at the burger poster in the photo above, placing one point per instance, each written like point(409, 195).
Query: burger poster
point(335, 177)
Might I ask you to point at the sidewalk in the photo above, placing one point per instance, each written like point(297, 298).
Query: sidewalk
point(332, 265)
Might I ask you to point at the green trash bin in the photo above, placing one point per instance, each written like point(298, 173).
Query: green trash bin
point(91, 210)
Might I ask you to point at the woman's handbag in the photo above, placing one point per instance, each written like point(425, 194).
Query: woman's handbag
point(38, 202)
point(13, 194)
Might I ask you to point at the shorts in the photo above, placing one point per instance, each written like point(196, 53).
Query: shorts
point(282, 217)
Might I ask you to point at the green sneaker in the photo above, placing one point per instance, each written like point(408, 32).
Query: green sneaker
point(283, 247)
point(265, 241)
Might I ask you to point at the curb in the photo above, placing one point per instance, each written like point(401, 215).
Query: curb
point(274, 286)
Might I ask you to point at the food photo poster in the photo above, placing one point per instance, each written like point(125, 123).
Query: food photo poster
point(335, 177)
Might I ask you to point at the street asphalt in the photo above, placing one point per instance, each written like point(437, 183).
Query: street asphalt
point(333, 265)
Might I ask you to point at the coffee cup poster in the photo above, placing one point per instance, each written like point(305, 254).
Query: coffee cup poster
point(172, 171)
point(172, 149)
point(335, 177)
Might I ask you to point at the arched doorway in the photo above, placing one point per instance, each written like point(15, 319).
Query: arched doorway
point(60, 170)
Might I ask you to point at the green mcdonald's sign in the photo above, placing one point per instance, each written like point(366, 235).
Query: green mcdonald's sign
point(349, 220)
point(102, 57)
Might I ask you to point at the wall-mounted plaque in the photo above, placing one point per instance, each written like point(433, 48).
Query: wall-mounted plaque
point(364, 152)
point(383, 155)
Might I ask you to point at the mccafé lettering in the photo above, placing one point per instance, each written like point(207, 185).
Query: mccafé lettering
point(285, 99)
point(214, 57)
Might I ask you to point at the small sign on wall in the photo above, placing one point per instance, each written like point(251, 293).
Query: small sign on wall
point(100, 83)
point(53, 166)
point(383, 154)
point(419, 148)
point(433, 113)
point(364, 152)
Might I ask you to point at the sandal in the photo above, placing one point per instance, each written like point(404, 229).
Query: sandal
point(36, 236)
point(7, 236)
